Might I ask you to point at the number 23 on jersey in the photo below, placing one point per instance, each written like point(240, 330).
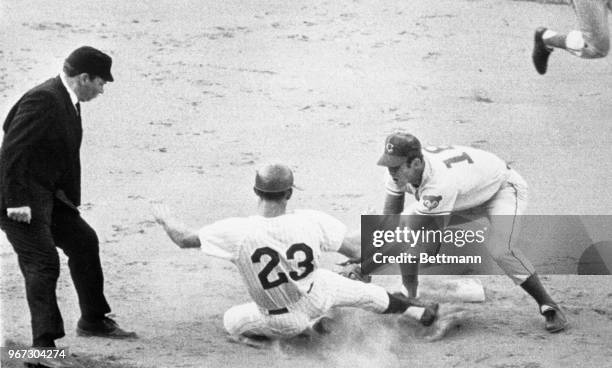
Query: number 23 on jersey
point(305, 267)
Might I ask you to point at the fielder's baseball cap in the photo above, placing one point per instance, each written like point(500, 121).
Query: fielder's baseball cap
point(273, 178)
point(398, 147)
point(87, 59)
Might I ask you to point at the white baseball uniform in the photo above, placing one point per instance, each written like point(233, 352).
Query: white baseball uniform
point(459, 178)
point(278, 259)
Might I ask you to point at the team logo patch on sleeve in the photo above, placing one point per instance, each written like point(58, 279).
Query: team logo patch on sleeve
point(431, 202)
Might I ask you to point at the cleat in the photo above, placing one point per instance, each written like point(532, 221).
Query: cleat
point(430, 314)
point(541, 52)
point(555, 319)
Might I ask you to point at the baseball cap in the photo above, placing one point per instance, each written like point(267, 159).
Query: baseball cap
point(398, 147)
point(273, 178)
point(87, 59)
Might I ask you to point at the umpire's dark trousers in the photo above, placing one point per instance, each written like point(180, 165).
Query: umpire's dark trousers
point(38, 259)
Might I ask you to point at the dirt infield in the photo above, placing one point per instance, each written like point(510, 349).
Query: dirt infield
point(205, 91)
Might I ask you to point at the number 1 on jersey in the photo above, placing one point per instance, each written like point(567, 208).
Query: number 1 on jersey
point(452, 160)
point(463, 157)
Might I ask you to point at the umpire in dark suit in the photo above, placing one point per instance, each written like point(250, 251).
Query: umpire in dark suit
point(40, 191)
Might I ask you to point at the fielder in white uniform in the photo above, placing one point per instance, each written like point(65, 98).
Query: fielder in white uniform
point(450, 179)
point(277, 254)
point(590, 41)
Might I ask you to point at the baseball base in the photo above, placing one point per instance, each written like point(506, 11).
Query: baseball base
point(444, 289)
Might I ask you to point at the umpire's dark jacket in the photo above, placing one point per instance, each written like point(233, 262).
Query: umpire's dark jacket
point(39, 160)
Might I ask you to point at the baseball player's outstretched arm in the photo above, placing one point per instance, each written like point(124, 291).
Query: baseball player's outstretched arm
point(180, 234)
point(410, 271)
point(351, 246)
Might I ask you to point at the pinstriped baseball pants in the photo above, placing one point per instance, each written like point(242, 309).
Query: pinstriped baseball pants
point(329, 290)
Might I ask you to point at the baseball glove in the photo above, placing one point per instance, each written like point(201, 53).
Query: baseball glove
point(352, 270)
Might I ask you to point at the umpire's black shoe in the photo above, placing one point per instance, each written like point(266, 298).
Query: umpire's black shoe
point(105, 327)
point(52, 362)
point(555, 319)
point(541, 52)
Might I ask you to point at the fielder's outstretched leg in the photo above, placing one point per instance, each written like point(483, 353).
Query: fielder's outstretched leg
point(504, 211)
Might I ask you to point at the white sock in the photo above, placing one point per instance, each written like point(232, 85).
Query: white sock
point(415, 312)
point(575, 43)
point(548, 34)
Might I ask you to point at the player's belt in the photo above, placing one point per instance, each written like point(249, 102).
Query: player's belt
point(276, 312)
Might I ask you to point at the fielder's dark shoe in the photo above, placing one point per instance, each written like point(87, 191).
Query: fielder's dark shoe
point(555, 319)
point(105, 327)
point(541, 52)
point(430, 314)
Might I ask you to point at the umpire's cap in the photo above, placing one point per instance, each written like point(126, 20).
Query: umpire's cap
point(399, 146)
point(87, 59)
point(274, 178)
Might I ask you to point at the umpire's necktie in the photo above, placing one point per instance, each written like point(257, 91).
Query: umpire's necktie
point(78, 108)
point(79, 128)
